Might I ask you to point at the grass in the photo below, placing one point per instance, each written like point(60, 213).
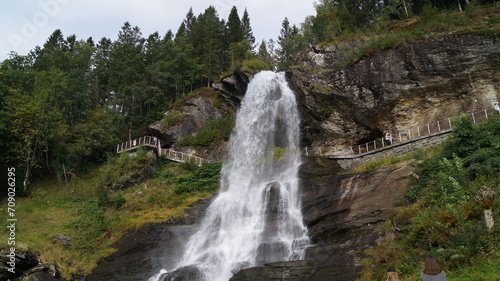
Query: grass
point(52, 209)
point(377, 163)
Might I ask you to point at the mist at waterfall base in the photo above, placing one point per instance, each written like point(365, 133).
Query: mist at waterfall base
point(256, 218)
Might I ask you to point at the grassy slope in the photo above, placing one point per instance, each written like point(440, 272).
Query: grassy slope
point(53, 209)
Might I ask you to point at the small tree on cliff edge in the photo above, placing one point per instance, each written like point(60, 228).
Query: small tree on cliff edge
point(289, 44)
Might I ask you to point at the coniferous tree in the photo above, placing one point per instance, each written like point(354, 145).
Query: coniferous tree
point(101, 90)
point(288, 45)
point(208, 38)
point(264, 54)
point(234, 27)
point(127, 75)
point(247, 30)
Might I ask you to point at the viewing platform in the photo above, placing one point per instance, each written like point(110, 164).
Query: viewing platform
point(154, 144)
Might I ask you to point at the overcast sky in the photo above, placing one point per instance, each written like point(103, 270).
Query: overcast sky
point(25, 24)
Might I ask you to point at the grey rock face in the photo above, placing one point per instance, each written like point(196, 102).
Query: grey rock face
point(395, 89)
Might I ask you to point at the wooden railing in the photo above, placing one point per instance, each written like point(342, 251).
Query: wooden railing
point(184, 157)
point(403, 136)
point(154, 142)
point(135, 143)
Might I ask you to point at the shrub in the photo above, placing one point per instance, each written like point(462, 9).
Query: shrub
point(119, 169)
point(172, 118)
point(203, 179)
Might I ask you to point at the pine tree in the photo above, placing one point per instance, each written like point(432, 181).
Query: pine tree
point(264, 54)
point(234, 27)
point(247, 30)
point(208, 39)
point(127, 75)
point(101, 74)
point(288, 47)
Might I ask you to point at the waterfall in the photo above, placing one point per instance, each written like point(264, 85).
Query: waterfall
point(256, 218)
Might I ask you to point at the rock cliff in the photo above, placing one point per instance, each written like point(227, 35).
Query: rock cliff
point(191, 113)
point(395, 89)
point(345, 214)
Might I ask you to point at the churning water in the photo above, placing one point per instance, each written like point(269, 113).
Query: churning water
point(256, 218)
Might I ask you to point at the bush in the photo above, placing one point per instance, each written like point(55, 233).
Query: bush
point(172, 118)
point(119, 169)
point(203, 179)
point(445, 220)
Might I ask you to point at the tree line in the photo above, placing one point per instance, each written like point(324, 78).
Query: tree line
point(68, 102)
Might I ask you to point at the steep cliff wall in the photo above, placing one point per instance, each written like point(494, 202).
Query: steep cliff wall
point(345, 214)
point(393, 90)
point(400, 88)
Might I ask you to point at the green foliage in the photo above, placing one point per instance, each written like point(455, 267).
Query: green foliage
point(172, 118)
point(254, 66)
point(485, 270)
point(291, 42)
point(216, 130)
point(90, 224)
point(95, 217)
point(119, 169)
point(372, 165)
point(204, 178)
point(445, 220)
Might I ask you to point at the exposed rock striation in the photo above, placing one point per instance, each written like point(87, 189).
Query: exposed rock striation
point(345, 214)
point(234, 87)
point(190, 114)
point(395, 89)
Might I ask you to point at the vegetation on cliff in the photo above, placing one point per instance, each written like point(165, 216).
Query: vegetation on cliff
point(447, 213)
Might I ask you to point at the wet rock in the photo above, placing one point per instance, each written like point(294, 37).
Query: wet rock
point(14, 263)
point(234, 87)
point(186, 273)
point(143, 253)
point(289, 271)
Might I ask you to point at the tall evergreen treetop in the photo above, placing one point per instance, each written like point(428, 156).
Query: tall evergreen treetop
point(234, 27)
point(247, 30)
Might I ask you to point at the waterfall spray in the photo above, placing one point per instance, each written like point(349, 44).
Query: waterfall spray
point(256, 218)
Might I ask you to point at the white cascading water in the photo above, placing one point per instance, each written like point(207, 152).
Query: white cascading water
point(256, 218)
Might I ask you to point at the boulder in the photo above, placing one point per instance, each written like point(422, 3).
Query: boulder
point(21, 261)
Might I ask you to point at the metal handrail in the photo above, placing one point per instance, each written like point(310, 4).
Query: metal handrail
point(426, 130)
